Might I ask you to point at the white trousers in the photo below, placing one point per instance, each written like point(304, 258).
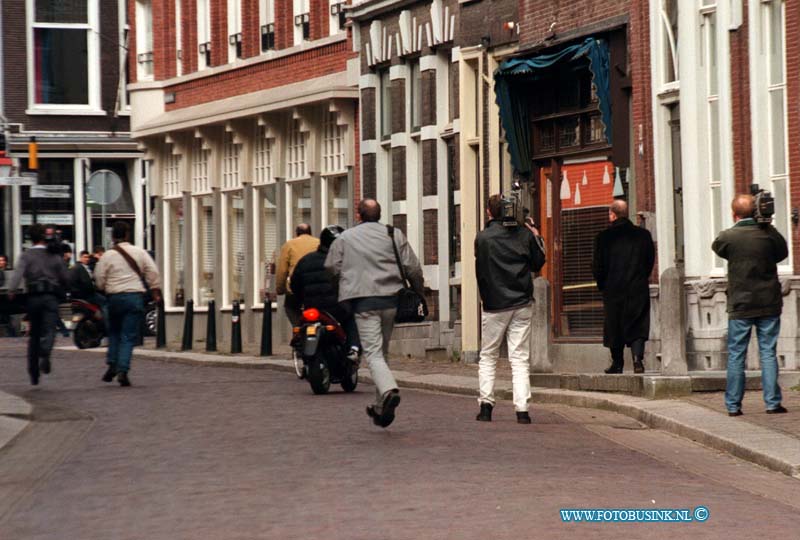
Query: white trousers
point(515, 325)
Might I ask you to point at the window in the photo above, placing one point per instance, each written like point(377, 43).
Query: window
point(267, 237)
point(230, 162)
point(205, 252)
point(178, 39)
point(63, 69)
point(235, 238)
point(299, 203)
point(200, 158)
point(337, 201)
point(338, 17)
point(203, 34)
point(262, 162)
point(234, 30)
point(144, 39)
point(416, 96)
point(709, 65)
point(385, 104)
point(302, 22)
point(333, 145)
point(174, 279)
point(296, 148)
point(266, 14)
point(669, 41)
point(172, 178)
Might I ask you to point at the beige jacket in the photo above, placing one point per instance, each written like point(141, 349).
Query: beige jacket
point(291, 253)
point(114, 275)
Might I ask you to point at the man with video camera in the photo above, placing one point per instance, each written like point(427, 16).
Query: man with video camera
point(753, 249)
point(506, 254)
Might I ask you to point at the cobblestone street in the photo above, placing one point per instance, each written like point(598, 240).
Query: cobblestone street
point(220, 453)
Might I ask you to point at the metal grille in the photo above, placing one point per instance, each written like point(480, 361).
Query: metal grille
point(581, 303)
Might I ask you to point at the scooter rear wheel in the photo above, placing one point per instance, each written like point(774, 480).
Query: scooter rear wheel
point(350, 381)
point(319, 376)
point(87, 334)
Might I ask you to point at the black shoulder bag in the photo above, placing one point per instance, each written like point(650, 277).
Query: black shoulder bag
point(411, 306)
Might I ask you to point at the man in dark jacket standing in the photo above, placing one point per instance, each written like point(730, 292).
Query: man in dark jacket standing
point(506, 254)
point(46, 280)
point(753, 252)
point(624, 256)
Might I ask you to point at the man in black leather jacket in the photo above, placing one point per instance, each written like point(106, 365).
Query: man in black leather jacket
point(314, 287)
point(505, 257)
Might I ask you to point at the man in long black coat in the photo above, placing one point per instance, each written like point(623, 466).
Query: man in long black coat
point(623, 259)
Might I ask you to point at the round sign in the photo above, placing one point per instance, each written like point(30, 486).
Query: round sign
point(104, 187)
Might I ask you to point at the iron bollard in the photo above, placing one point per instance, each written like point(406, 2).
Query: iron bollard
point(236, 329)
point(211, 327)
point(161, 326)
point(188, 326)
point(266, 328)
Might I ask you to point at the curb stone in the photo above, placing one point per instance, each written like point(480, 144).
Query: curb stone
point(757, 444)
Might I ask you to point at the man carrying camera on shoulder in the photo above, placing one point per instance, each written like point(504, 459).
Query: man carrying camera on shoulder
point(753, 249)
point(506, 254)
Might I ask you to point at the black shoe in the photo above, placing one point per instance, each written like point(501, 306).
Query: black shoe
point(44, 365)
point(390, 402)
point(780, 409)
point(34, 378)
point(110, 373)
point(613, 369)
point(736, 413)
point(486, 413)
point(122, 378)
point(523, 417)
point(638, 367)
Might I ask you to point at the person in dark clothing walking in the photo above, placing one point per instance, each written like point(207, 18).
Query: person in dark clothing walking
point(46, 280)
point(315, 287)
point(753, 251)
point(624, 256)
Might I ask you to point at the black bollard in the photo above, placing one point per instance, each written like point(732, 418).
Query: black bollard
point(211, 327)
point(188, 326)
point(161, 326)
point(266, 328)
point(236, 329)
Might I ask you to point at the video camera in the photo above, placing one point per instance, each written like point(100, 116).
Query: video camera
point(764, 204)
point(513, 212)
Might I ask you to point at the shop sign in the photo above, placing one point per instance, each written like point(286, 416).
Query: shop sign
point(50, 192)
point(49, 219)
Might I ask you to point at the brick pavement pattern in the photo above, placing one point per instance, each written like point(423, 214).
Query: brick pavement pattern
point(753, 408)
point(218, 453)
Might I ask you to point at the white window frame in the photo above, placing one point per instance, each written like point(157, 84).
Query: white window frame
point(761, 107)
point(258, 241)
point(169, 300)
point(334, 7)
point(92, 28)
point(299, 7)
point(334, 140)
point(266, 16)
point(203, 31)
point(297, 152)
point(288, 209)
point(667, 48)
point(197, 266)
point(144, 33)
point(123, 108)
point(227, 258)
point(326, 180)
point(234, 28)
point(178, 39)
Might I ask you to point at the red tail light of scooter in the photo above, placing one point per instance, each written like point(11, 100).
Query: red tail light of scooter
point(311, 315)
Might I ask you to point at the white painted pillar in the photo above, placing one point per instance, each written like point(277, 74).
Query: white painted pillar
point(78, 185)
point(135, 182)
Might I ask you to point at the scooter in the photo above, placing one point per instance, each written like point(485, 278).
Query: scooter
point(320, 353)
point(88, 324)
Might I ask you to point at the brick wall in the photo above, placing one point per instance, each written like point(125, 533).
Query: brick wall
point(268, 74)
point(251, 29)
point(430, 233)
point(536, 16)
point(398, 106)
point(400, 221)
point(793, 117)
point(428, 90)
point(189, 42)
point(429, 168)
point(368, 113)
point(368, 176)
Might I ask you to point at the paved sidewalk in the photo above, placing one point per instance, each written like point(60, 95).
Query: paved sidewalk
point(758, 440)
point(753, 408)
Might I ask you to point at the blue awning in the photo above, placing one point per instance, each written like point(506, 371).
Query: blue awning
point(513, 94)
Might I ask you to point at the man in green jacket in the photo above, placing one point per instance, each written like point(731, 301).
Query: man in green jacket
point(753, 251)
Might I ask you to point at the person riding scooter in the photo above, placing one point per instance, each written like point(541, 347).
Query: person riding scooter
point(315, 287)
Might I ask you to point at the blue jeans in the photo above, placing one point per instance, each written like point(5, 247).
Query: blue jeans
point(767, 330)
point(125, 313)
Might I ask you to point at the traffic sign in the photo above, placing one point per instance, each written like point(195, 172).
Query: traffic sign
point(104, 187)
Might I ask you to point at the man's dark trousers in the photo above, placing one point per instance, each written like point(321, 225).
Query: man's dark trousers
point(125, 312)
point(42, 317)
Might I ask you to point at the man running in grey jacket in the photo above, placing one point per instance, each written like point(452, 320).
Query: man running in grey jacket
point(363, 259)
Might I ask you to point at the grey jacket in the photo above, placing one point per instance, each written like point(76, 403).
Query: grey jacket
point(363, 260)
point(38, 264)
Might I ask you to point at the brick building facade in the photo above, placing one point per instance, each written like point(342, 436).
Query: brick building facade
point(63, 82)
point(247, 112)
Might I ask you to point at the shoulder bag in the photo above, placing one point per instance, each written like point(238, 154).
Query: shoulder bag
point(411, 306)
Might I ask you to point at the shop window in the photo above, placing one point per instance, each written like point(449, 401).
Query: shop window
point(235, 245)
point(205, 250)
point(52, 172)
point(65, 55)
point(299, 203)
point(268, 241)
point(337, 196)
point(176, 253)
